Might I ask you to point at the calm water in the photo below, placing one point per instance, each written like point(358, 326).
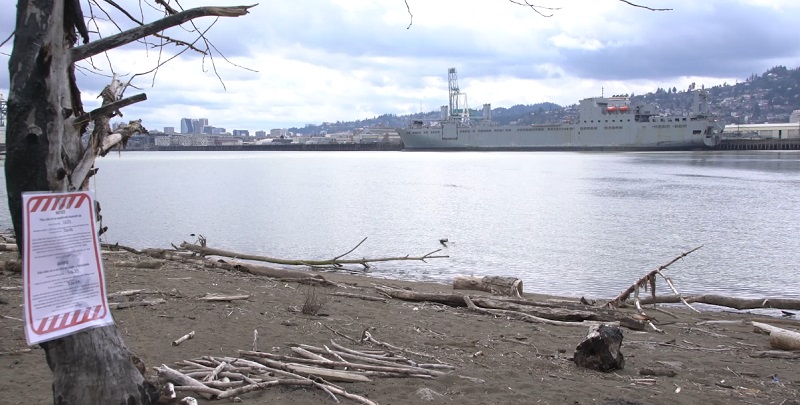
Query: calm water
point(566, 223)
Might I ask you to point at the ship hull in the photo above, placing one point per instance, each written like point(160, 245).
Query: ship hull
point(689, 135)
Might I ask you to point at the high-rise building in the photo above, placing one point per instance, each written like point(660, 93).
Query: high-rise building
point(169, 130)
point(187, 126)
point(199, 125)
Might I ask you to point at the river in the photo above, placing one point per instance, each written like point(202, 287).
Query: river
point(565, 223)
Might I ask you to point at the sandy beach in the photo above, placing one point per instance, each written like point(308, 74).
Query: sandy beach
point(505, 360)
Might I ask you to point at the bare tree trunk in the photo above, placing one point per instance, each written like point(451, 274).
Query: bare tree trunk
point(92, 366)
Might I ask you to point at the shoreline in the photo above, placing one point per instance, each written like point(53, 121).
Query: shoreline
point(517, 362)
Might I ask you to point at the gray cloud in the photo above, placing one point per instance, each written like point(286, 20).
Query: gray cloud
point(388, 66)
point(729, 40)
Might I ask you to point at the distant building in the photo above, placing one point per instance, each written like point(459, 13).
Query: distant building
point(261, 134)
point(241, 132)
point(169, 130)
point(199, 125)
point(277, 133)
point(763, 131)
point(161, 140)
point(187, 126)
point(794, 117)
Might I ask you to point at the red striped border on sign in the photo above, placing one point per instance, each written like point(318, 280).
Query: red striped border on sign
point(68, 319)
point(52, 203)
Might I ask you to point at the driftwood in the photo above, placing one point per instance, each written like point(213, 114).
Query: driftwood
point(549, 312)
point(131, 304)
point(176, 377)
point(183, 339)
point(453, 300)
point(359, 296)
point(328, 374)
point(254, 371)
point(8, 247)
point(219, 297)
point(207, 251)
point(233, 265)
point(520, 315)
point(776, 354)
point(529, 311)
point(648, 280)
point(729, 302)
point(142, 264)
point(779, 338)
point(494, 284)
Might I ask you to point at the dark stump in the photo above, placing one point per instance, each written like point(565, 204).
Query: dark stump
point(600, 350)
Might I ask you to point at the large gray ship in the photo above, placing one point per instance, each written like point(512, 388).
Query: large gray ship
point(604, 123)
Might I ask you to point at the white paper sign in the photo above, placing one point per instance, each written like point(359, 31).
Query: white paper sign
point(63, 282)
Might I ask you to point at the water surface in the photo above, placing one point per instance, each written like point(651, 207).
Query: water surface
point(566, 223)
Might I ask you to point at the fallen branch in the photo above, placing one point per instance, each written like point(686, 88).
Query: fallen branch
point(730, 302)
point(644, 316)
point(359, 296)
point(647, 280)
point(131, 304)
point(183, 339)
point(142, 264)
point(522, 316)
point(546, 311)
point(207, 251)
point(367, 337)
point(677, 294)
point(219, 297)
point(176, 377)
point(234, 265)
point(776, 354)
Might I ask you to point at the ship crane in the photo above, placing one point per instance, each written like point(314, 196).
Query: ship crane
point(458, 100)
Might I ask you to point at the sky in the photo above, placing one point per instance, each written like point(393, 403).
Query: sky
point(292, 63)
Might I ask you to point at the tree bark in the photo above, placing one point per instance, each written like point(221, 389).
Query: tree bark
point(95, 367)
point(45, 153)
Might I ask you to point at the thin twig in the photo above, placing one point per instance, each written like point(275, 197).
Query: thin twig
point(645, 7)
point(351, 250)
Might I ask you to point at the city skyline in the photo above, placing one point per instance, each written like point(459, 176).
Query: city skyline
point(349, 60)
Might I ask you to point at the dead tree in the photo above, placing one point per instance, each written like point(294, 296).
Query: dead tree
point(44, 152)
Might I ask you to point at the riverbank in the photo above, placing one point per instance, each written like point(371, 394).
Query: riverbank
point(517, 362)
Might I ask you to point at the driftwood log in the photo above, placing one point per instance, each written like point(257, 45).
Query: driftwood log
point(8, 247)
point(729, 302)
point(493, 284)
point(531, 311)
point(779, 338)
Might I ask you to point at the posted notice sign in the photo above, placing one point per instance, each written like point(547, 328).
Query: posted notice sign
point(63, 283)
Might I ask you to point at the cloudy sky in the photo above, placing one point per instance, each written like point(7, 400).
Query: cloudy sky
point(310, 61)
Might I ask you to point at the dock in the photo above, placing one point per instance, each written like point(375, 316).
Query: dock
point(759, 144)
